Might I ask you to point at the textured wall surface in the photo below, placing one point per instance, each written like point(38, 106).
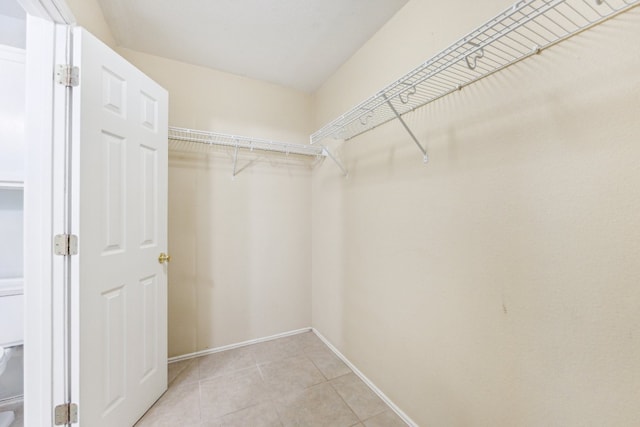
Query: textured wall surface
point(241, 250)
point(89, 15)
point(241, 247)
point(498, 284)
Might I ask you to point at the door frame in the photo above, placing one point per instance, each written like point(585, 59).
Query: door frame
point(45, 373)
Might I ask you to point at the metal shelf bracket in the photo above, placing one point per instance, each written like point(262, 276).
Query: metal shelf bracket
point(235, 161)
point(328, 153)
point(425, 156)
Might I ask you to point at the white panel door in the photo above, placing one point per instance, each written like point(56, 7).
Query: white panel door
point(119, 175)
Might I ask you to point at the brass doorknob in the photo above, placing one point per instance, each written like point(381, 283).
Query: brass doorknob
point(164, 258)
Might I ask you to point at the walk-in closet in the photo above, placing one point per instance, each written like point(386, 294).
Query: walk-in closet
point(320, 213)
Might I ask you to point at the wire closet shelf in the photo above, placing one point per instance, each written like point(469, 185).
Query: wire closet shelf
point(243, 142)
point(523, 30)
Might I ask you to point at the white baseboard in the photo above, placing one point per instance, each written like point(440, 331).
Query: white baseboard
point(367, 381)
point(238, 345)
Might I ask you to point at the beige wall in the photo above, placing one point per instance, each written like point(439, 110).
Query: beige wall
point(241, 250)
point(203, 98)
point(241, 247)
point(498, 284)
point(89, 15)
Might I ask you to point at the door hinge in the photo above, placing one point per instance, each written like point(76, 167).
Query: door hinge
point(65, 244)
point(66, 414)
point(67, 75)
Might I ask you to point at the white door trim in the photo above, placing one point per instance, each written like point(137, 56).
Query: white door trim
point(44, 183)
point(50, 10)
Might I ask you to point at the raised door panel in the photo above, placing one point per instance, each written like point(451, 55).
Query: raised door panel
point(122, 185)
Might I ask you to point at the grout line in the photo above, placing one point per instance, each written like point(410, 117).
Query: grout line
point(240, 410)
point(376, 415)
point(326, 379)
point(242, 372)
point(260, 372)
point(178, 374)
point(238, 345)
point(345, 402)
point(404, 417)
point(200, 398)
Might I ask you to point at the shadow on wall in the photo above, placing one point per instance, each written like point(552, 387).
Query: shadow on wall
point(246, 242)
point(501, 274)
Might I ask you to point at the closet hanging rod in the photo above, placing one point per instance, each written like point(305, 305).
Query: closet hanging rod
point(248, 143)
point(523, 30)
point(244, 142)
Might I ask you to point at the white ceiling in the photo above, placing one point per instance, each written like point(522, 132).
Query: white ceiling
point(294, 43)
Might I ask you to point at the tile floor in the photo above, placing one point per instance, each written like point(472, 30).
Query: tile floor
point(292, 381)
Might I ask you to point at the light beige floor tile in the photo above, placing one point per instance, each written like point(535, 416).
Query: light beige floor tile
point(188, 375)
point(319, 405)
point(327, 362)
point(279, 349)
point(225, 362)
point(307, 340)
point(169, 421)
point(180, 405)
point(385, 419)
point(173, 369)
point(262, 415)
point(360, 398)
point(230, 389)
point(291, 374)
point(230, 393)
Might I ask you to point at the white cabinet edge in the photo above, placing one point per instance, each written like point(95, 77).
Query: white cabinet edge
point(9, 287)
point(11, 185)
point(10, 53)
